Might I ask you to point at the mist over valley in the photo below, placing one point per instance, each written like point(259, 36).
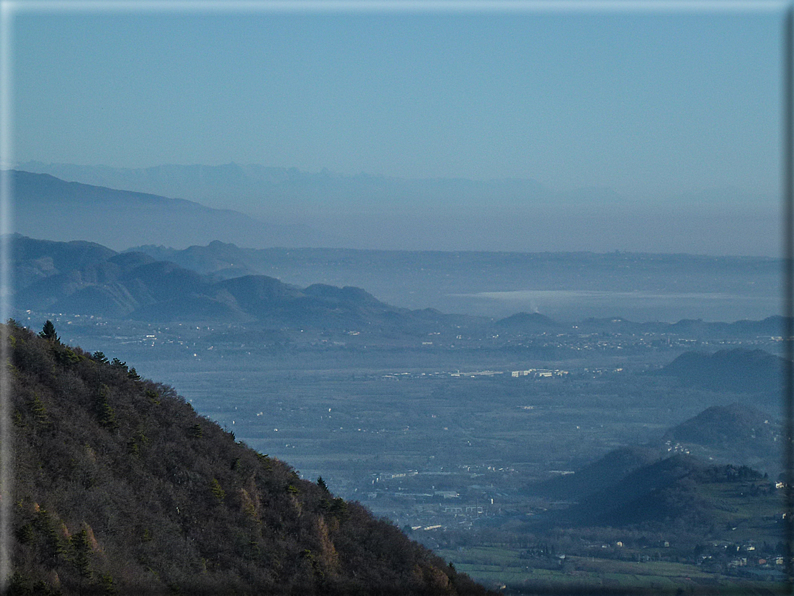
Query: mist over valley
point(463, 428)
point(437, 298)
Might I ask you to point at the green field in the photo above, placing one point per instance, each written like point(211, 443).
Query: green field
point(504, 568)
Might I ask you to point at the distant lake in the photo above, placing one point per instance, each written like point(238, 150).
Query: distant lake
point(574, 305)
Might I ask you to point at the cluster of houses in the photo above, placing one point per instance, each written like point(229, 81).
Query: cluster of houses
point(539, 373)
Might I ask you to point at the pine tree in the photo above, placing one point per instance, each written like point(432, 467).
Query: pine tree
point(217, 491)
point(48, 332)
point(321, 483)
point(104, 411)
point(80, 550)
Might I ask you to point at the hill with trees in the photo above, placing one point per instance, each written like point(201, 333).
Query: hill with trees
point(736, 433)
point(598, 475)
point(751, 371)
point(697, 477)
point(120, 487)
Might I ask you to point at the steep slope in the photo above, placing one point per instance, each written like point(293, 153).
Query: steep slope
point(120, 487)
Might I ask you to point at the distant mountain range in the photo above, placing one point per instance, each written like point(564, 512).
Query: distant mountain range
point(565, 286)
point(381, 212)
point(49, 207)
point(284, 207)
point(89, 279)
point(254, 186)
point(219, 282)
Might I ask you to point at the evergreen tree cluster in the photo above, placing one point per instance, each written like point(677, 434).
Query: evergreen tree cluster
point(121, 488)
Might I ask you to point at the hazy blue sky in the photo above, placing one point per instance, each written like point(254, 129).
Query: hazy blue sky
point(649, 104)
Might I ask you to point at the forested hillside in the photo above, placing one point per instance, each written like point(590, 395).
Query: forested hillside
point(122, 488)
